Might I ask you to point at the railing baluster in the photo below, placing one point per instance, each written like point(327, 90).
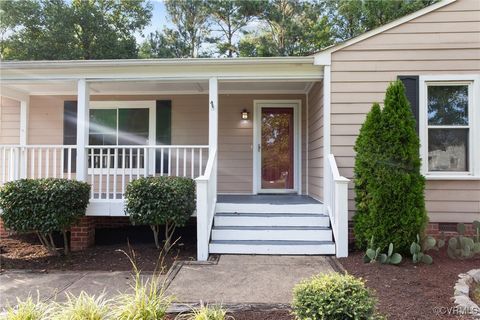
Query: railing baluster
point(69, 163)
point(4, 165)
point(193, 163)
point(169, 161)
point(200, 164)
point(62, 162)
point(54, 162)
point(123, 171)
point(161, 161)
point(131, 164)
point(176, 163)
point(40, 163)
point(47, 163)
point(138, 163)
point(107, 194)
point(145, 162)
point(184, 162)
point(100, 176)
point(91, 167)
point(32, 164)
point(115, 171)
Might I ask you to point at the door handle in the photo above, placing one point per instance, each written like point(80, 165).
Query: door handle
point(259, 147)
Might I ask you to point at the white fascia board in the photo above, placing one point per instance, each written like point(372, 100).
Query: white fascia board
point(323, 56)
point(185, 72)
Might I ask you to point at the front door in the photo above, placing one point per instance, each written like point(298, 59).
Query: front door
point(276, 147)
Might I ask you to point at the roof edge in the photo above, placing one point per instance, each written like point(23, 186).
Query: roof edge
point(322, 57)
point(46, 64)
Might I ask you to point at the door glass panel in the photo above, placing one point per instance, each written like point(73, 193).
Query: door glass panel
point(277, 148)
point(103, 127)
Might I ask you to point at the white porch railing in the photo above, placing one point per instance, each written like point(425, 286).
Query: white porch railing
point(36, 161)
point(111, 168)
point(206, 202)
point(336, 203)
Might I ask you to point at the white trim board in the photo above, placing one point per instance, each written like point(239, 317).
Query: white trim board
point(473, 81)
point(297, 153)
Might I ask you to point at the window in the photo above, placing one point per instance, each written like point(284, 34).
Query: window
point(125, 123)
point(448, 118)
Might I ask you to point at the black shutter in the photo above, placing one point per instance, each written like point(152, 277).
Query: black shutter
point(70, 132)
point(411, 87)
point(163, 131)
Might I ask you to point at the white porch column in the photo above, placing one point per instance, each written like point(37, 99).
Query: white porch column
point(213, 124)
point(83, 101)
point(24, 112)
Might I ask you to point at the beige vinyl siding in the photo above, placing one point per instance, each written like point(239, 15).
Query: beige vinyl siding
point(9, 121)
point(189, 126)
point(315, 141)
point(446, 41)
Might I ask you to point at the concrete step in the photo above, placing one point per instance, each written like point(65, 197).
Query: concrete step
point(291, 233)
point(270, 219)
point(271, 247)
point(269, 208)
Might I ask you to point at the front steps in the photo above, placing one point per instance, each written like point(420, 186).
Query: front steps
point(266, 228)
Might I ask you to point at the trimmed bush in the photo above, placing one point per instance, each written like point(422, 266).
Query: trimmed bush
point(43, 206)
point(333, 296)
point(156, 201)
point(388, 184)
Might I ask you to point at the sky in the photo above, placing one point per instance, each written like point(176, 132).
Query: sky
point(159, 19)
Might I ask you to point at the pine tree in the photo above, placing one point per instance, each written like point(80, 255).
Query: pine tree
point(390, 190)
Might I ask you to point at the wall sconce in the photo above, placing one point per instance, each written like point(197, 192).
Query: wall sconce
point(245, 114)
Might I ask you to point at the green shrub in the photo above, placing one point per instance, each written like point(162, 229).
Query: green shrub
point(28, 310)
point(206, 312)
point(156, 201)
point(333, 296)
point(388, 184)
point(43, 206)
point(82, 307)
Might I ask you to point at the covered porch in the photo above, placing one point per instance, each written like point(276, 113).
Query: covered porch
point(109, 122)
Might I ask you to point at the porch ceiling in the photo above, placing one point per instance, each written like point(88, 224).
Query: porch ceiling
point(151, 87)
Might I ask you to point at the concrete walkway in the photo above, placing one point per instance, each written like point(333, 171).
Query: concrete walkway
point(232, 279)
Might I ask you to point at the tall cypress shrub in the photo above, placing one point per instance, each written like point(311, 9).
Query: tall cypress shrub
point(390, 191)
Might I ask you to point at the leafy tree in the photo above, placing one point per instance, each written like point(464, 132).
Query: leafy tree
point(164, 44)
point(231, 16)
point(290, 27)
point(78, 29)
point(190, 18)
point(350, 18)
point(390, 187)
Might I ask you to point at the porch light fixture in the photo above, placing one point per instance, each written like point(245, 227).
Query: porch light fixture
point(245, 114)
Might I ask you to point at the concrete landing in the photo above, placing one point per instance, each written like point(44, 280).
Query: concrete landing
point(246, 279)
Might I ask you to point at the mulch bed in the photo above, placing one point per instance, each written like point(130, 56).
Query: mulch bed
point(25, 252)
point(410, 291)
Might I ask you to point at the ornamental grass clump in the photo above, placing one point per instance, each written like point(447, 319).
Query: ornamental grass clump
point(43, 206)
point(28, 309)
point(389, 188)
point(83, 307)
point(148, 300)
point(157, 201)
point(333, 296)
point(206, 312)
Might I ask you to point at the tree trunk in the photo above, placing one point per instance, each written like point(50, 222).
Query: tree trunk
point(155, 235)
point(66, 247)
point(169, 230)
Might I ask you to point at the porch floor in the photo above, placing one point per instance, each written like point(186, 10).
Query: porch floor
point(277, 199)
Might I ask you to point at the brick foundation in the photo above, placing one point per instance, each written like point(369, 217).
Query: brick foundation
point(434, 229)
point(82, 235)
point(4, 233)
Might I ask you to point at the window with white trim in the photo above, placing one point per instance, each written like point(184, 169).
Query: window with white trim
point(448, 120)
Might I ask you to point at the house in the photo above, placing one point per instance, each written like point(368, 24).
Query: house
point(268, 140)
